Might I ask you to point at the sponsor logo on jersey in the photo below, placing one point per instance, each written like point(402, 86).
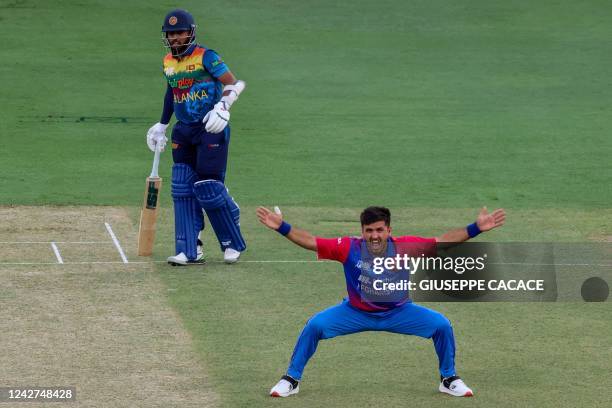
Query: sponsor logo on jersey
point(190, 96)
point(365, 279)
point(183, 83)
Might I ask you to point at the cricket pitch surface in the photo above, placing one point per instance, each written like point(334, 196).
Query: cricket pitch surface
point(79, 309)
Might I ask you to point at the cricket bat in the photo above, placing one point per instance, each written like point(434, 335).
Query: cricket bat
point(148, 215)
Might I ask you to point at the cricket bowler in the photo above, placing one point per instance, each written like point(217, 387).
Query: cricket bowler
point(200, 91)
point(357, 313)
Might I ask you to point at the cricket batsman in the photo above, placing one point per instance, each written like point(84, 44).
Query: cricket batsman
point(201, 90)
point(358, 313)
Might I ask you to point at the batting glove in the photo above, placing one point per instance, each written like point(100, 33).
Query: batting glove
point(216, 119)
point(157, 135)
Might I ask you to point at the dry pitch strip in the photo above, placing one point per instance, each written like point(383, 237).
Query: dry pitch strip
point(79, 308)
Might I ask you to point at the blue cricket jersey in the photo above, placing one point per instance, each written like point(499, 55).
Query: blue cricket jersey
point(193, 83)
point(356, 260)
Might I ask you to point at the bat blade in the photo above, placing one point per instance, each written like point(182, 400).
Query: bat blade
point(148, 216)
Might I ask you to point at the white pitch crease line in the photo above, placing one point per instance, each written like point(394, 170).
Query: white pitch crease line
point(57, 253)
point(280, 261)
point(48, 242)
point(116, 242)
point(72, 263)
point(147, 262)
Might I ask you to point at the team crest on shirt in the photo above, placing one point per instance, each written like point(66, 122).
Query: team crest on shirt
point(169, 70)
point(172, 20)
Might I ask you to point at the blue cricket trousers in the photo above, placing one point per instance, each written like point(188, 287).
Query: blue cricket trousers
point(206, 153)
point(344, 319)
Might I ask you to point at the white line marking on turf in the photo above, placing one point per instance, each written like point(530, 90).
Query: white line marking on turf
point(145, 262)
point(116, 242)
point(48, 242)
point(57, 253)
point(75, 263)
point(262, 261)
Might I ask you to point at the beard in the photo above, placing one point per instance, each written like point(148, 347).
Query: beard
point(178, 50)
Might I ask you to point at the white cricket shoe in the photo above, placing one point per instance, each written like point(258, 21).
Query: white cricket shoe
point(285, 387)
point(455, 387)
point(231, 256)
point(182, 260)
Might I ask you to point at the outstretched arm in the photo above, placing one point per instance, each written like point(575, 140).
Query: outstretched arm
point(274, 220)
point(485, 222)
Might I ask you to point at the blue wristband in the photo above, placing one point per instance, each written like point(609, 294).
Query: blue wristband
point(473, 230)
point(284, 228)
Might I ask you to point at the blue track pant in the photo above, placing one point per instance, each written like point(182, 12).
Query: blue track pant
point(344, 319)
point(206, 153)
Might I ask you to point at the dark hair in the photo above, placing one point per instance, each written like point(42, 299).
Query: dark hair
point(374, 214)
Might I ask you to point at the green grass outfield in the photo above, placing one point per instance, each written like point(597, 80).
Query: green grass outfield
point(432, 108)
point(246, 318)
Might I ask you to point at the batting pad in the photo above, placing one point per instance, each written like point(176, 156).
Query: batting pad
point(188, 219)
point(222, 211)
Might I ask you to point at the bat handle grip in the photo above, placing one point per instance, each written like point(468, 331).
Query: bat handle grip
point(155, 169)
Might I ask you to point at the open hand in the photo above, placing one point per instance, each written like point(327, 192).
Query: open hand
point(487, 221)
point(272, 220)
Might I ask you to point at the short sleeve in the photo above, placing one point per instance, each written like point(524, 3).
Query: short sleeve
point(214, 64)
point(415, 246)
point(334, 249)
